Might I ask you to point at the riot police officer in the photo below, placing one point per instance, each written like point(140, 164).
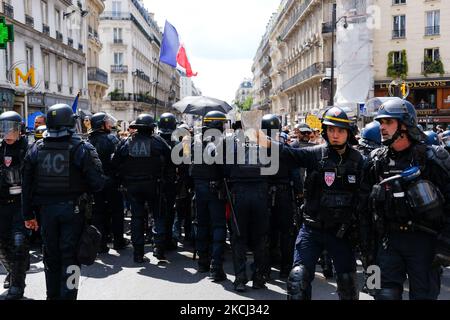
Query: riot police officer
point(58, 170)
point(370, 138)
point(166, 125)
point(141, 161)
point(210, 200)
point(432, 138)
point(446, 140)
point(408, 183)
point(108, 207)
point(331, 194)
point(14, 253)
point(250, 226)
point(281, 203)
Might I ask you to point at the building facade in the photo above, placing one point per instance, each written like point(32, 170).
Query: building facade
point(131, 45)
point(49, 39)
point(413, 44)
point(97, 77)
point(244, 91)
point(294, 59)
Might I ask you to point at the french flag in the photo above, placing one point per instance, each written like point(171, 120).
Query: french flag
point(172, 52)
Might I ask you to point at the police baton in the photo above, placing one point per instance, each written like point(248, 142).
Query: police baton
point(233, 215)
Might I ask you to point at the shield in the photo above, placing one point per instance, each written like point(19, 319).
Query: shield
point(329, 178)
point(201, 105)
point(7, 161)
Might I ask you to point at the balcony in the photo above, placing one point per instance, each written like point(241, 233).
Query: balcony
point(266, 82)
point(119, 69)
point(294, 18)
point(8, 10)
point(96, 74)
point(70, 42)
point(45, 29)
point(432, 30)
point(118, 41)
point(115, 15)
point(432, 66)
point(313, 70)
point(266, 63)
point(29, 20)
point(141, 75)
point(59, 36)
point(135, 97)
point(398, 34)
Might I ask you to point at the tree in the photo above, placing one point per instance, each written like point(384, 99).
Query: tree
point(246, 105)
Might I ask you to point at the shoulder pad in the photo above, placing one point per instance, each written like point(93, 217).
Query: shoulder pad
point(439, 156)
point(113, 138)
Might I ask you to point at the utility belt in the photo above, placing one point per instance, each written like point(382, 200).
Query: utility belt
point(339, 230)
point(4, 202)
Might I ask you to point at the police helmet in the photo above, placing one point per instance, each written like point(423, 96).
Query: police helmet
point(303, 127)
point(336, 117)
point(60, 121)
point(40, 132)
point(100, 118)
point(167, 123)
point(271, 123)
point(432, 138)
point(403, 111)
point(372, 133)
point(446, 138)
point(215, 120)
point(143, 121)
point(10, 121)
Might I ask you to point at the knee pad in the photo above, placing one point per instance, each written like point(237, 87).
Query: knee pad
point(346, 286)
point(298, 284)
point(389, 294)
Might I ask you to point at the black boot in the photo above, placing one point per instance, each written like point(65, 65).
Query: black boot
point(138, 255)
point(158, 253)
point(217, 274)
point(203, 262)
point(18, 267)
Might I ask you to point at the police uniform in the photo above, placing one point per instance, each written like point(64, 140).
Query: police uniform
point(330, 196)
point(409, 209)
point(141, 161)
point(210, 202)
point(58, 170)
point(14, 253)
point(108, 207)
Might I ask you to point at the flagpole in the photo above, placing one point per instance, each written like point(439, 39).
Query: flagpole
point(156, 90)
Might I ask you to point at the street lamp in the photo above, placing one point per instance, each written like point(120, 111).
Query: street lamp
point(333, 27)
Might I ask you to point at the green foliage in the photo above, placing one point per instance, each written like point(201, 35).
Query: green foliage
point(398, 70)
point(433, 66)
point(246, 105)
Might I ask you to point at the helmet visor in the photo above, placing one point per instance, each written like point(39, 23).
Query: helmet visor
point(110, 121)
point(423, 193)
point(7, 127)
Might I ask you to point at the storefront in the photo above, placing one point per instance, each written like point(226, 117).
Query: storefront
point(431, 97)
point(6, 99)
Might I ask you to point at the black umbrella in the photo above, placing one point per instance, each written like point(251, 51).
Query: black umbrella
point(201, 105)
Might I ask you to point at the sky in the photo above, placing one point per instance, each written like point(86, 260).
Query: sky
point(220, 37)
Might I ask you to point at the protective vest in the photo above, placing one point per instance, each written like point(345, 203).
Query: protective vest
point(144, 162)
point(212, 172)
point(105, 145)
point(331, 188)
point(248, 163)
point(11, 161)
point(56, 172)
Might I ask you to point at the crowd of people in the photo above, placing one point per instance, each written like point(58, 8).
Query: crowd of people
point(381, 195)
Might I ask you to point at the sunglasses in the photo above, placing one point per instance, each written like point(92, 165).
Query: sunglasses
point(305, 133)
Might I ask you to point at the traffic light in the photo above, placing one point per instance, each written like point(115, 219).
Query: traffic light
point(6, 33)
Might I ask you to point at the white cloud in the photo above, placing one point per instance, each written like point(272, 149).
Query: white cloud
point(221, 38)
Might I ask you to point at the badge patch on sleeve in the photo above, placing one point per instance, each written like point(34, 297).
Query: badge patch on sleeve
point(7, 161)
point(351, 179)
point(329, 178)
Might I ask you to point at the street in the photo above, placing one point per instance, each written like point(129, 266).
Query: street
point(115, 276)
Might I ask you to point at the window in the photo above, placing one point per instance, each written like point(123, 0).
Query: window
point(46, 63)
point(399, 27)
point(80, 78)
point(398, 2)
point(70, 75)
point(432, 23)
point(116, 8)
point(119, 85)
point(58, 20)
point(397, 57)
point(117, 35)
point(44, 12)
point(27, 6)
point(118, 58)
point(432, 54)
point(59, 72)
point(29, 56)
